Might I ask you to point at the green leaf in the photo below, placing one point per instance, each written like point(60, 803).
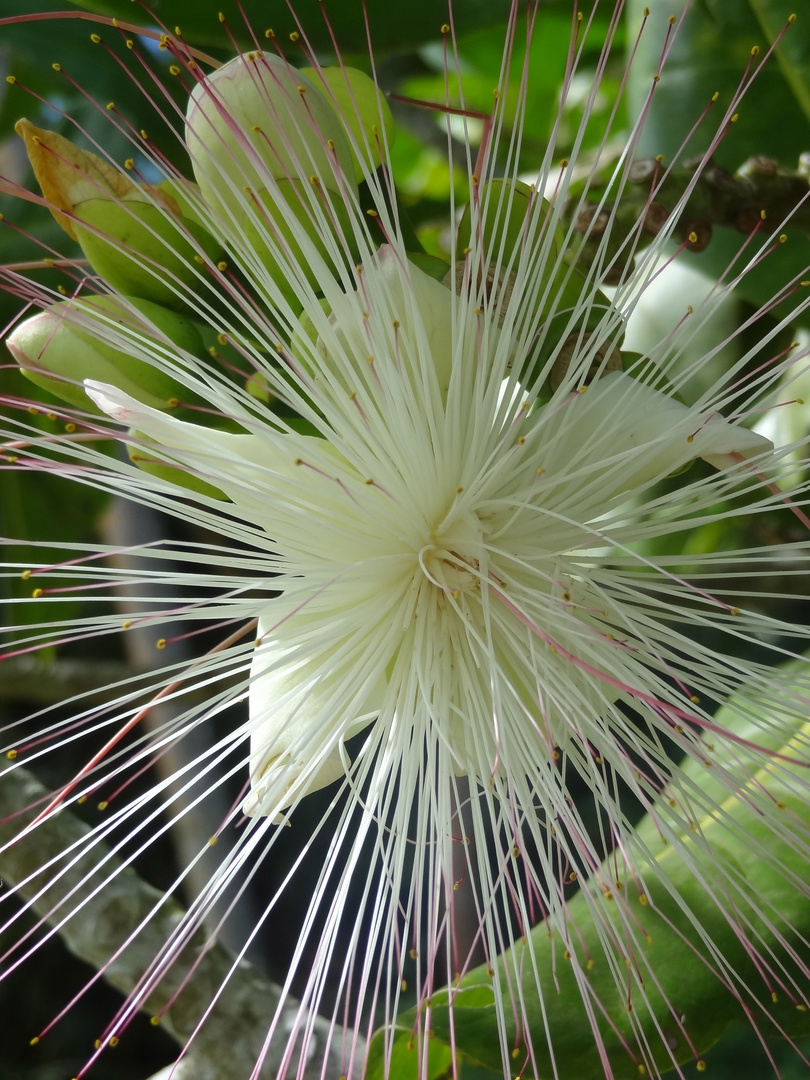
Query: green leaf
point(404, 1059)
point(792, 51)
point(640, 960)
point(710, 53)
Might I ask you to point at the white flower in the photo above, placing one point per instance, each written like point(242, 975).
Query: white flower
point(458, 559)
point(413, 535)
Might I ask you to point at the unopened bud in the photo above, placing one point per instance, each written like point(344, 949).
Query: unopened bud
point(257, 119)
point(274, 164)
point(95, 338)
point(513, 216)
point(362, 110)
point(567, 315)
point(138, 240)
point(279, 228)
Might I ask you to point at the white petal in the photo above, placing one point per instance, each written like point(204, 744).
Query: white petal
point(297, 714)
point(248, 468)
point(421, 311)
point(620, 434)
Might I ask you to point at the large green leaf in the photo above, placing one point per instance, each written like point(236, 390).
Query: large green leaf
point(641, 965)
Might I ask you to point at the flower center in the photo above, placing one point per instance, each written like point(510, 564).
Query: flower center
point(452, 558)
point(450, 571)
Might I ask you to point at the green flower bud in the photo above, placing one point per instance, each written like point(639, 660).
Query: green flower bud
point(137, 261)
point(139, 241)
point(272, 160)
point(275, 226)
point(62, 346)
point(257, 119)
point(513, 215)
point(363, 111)
point(184, 198)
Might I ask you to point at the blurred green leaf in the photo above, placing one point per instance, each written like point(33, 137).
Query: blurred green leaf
point(792, 52)
point(390, 25)
point(676, 915)
point(710, 54)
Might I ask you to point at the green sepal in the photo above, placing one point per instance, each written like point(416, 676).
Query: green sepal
point(508, 229)
point(174, 474)
point(140, 249)
point(431, 265)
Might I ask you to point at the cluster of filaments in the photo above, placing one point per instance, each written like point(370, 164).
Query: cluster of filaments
point(446, 523)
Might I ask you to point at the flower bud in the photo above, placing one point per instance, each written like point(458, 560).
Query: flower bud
point(257, 119)
point(362, 110)
point(94, 338)
point(272, 160)
point(278, 227)
point(139, 241)
point(505, 225)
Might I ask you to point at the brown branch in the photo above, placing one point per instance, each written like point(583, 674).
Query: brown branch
point(760, 191)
